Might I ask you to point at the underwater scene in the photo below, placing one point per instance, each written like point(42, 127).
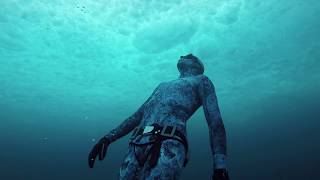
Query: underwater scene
point(72, 71)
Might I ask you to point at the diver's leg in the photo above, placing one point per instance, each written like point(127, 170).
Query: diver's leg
point(170, 162)
point(130, 168)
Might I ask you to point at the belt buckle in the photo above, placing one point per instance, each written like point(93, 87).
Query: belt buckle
point(147, 129)
point(171, 134)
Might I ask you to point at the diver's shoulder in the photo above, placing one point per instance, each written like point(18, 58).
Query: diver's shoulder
point(203, 77)
point(205, 81)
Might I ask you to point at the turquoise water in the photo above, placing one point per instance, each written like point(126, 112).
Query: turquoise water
point(70, 71)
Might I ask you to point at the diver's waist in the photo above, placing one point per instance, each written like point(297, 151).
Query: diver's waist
point(154, 135)
point(169, 131)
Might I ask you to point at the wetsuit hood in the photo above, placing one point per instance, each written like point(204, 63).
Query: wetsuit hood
point(190, 65)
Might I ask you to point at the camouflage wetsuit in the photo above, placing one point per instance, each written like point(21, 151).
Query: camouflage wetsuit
point(173, 103)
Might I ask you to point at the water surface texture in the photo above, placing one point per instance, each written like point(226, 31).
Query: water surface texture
point(70, 71)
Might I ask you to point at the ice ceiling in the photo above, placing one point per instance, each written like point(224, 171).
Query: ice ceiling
point(110, 54)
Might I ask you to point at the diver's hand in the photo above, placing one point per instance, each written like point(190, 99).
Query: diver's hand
point(220, 174)
point(99, 149)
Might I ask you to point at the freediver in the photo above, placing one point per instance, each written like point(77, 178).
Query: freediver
point(158, 145)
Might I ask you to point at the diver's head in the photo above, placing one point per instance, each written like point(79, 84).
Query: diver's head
point(190, 65)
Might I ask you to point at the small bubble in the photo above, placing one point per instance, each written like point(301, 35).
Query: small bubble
point(44, 139)
point(93, 139)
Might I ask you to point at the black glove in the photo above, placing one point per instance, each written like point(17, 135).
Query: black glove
point(220, 174)
point(99, 149)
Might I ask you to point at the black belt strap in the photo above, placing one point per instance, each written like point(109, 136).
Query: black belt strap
point(160, 134)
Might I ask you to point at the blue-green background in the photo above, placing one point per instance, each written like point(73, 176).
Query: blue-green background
point(70, 71)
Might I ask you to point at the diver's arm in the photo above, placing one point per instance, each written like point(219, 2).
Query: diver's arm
point(217, 132)
point(129, 124)
point(123, 129)
point(126, 126)
point(100, 149)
